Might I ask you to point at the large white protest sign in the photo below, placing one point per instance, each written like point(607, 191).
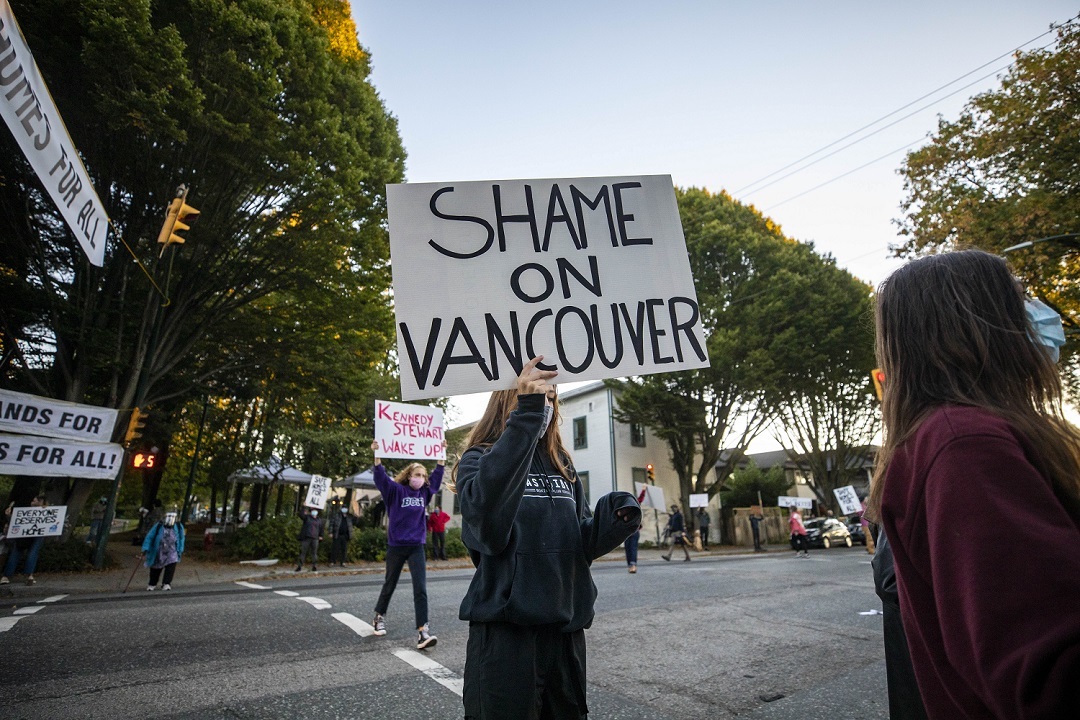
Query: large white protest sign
point(317, 492)
point(654, 496)
point(792, 500)
point(409, 431)
point(22, 413)
point(699, 500)
point(49, 457)
point(31, 522)
point(848, 499)
point(33, 119)
point(591, 273)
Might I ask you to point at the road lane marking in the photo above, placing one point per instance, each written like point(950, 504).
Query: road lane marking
point(29, 610)
point(253, 586)
point(442, 675)
point(54, 598)
point(354, 623)
point(287, 593)
point(317, 603)
point(9, 622)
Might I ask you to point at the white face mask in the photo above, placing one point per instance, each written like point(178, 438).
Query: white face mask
point(1046, 324)
point(170, 519)
point(314, 513)
point(416, 483)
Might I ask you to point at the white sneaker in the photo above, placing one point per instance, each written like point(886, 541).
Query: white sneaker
point(166, 586)
point(379, 623)
point(4, 580)
point(425, 639)
point(149, 588)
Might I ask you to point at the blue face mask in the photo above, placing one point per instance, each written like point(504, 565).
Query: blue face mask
point(1046, 326)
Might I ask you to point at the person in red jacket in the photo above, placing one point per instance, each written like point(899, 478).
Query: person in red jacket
point(436, 525)
point(798, 533)
point(978, 486)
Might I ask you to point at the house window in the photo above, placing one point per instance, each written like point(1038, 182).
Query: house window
point(637, 434)
point(581, 438)
point(584, 477)
point(638, 475)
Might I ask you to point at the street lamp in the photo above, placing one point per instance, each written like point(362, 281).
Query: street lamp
point(1072, 239)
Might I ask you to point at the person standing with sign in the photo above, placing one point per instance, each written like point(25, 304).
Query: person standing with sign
point(407, 497)
point(437, 525)
point(532, 539)
point(31, 547)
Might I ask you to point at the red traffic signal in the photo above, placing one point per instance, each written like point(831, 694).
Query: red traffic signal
point(144, 460)
point(878, 376)
point(649, 473)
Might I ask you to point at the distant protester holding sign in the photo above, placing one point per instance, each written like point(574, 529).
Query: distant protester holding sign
point(407, 497)
point(532, 538)
point(28, 547)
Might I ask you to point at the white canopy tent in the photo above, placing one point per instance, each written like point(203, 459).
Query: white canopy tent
point(273, 471)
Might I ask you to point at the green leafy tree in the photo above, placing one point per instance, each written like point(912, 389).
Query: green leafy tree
point(742, 488)
point(1005, 172)
point(266, 111)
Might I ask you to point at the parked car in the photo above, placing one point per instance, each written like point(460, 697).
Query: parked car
point(855, 529)
point(827, 532)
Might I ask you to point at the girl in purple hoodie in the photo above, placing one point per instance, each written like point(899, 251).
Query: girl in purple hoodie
point(406, 496)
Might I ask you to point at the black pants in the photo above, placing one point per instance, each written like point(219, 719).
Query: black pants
point(396, 557)
point(757, 536)
point(339, 549)
point(705, 536)
point(309, 547)
point(155, 573)
point(438, 545)
point(524, 672)
point(800, 543)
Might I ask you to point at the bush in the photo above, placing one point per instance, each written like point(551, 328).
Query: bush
point(454, 547)
point(269, 538)
point(368, 544)
point(72, 555)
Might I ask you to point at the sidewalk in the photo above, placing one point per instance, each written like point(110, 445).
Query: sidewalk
point(192, 573)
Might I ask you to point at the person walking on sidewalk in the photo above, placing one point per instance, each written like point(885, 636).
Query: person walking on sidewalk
point(531, 536)
point(310, 531)
point(798, 533)
point(28, 547)
point(162, 550)
point(340, 534)
point(437, 525)
point(677, 531)
point(407, 496)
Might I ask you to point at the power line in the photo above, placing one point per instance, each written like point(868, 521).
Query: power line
point(842, 175)
point(899, 109)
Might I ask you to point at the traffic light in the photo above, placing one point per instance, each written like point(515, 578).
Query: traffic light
point(878, 376)
point(144, 460)
point(650, 474)
point(178, 218)
point(135, 425)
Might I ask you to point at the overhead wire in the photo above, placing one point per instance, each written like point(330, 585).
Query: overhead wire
point(897, 110)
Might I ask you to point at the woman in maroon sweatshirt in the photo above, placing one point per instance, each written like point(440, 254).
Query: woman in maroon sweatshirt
point(978, 487)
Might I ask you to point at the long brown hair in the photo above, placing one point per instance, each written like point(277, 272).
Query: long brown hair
point(951, 329)
point(488, 429)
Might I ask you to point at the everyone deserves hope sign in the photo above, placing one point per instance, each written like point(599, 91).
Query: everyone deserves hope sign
point(591, 273)
point(409, 431)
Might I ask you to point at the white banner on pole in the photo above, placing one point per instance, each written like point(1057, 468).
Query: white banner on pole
point(50, 457)
point(799, 502)
point(31, 522)
point(317, 492)
point(33, 119)
point(33, 415)
point(699, 500)
point(591, 273)
point(654, 496)
point(848, 499)
point(409, 431)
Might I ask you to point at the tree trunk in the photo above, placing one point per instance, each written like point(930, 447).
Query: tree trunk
point(236, 501)
point(280, 496)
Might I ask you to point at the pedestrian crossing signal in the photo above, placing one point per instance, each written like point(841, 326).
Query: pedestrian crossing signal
point(144, 460)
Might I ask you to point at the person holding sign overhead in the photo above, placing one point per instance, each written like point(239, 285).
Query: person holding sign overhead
point(532, 539)
point(407, 497)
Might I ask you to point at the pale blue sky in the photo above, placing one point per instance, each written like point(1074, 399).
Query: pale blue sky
point(716, 94)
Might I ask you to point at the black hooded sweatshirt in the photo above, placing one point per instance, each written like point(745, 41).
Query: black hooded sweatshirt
point(529, 532)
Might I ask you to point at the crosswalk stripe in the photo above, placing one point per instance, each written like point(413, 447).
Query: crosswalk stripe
point(251, 585)
point(29, 610)
point(54, 598)
point(287, 593)
point(354, 623)
point(440, 674)
point(9, 622)
point(317, 603)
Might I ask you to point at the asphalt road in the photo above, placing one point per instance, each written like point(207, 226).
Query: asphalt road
point(755, 636)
